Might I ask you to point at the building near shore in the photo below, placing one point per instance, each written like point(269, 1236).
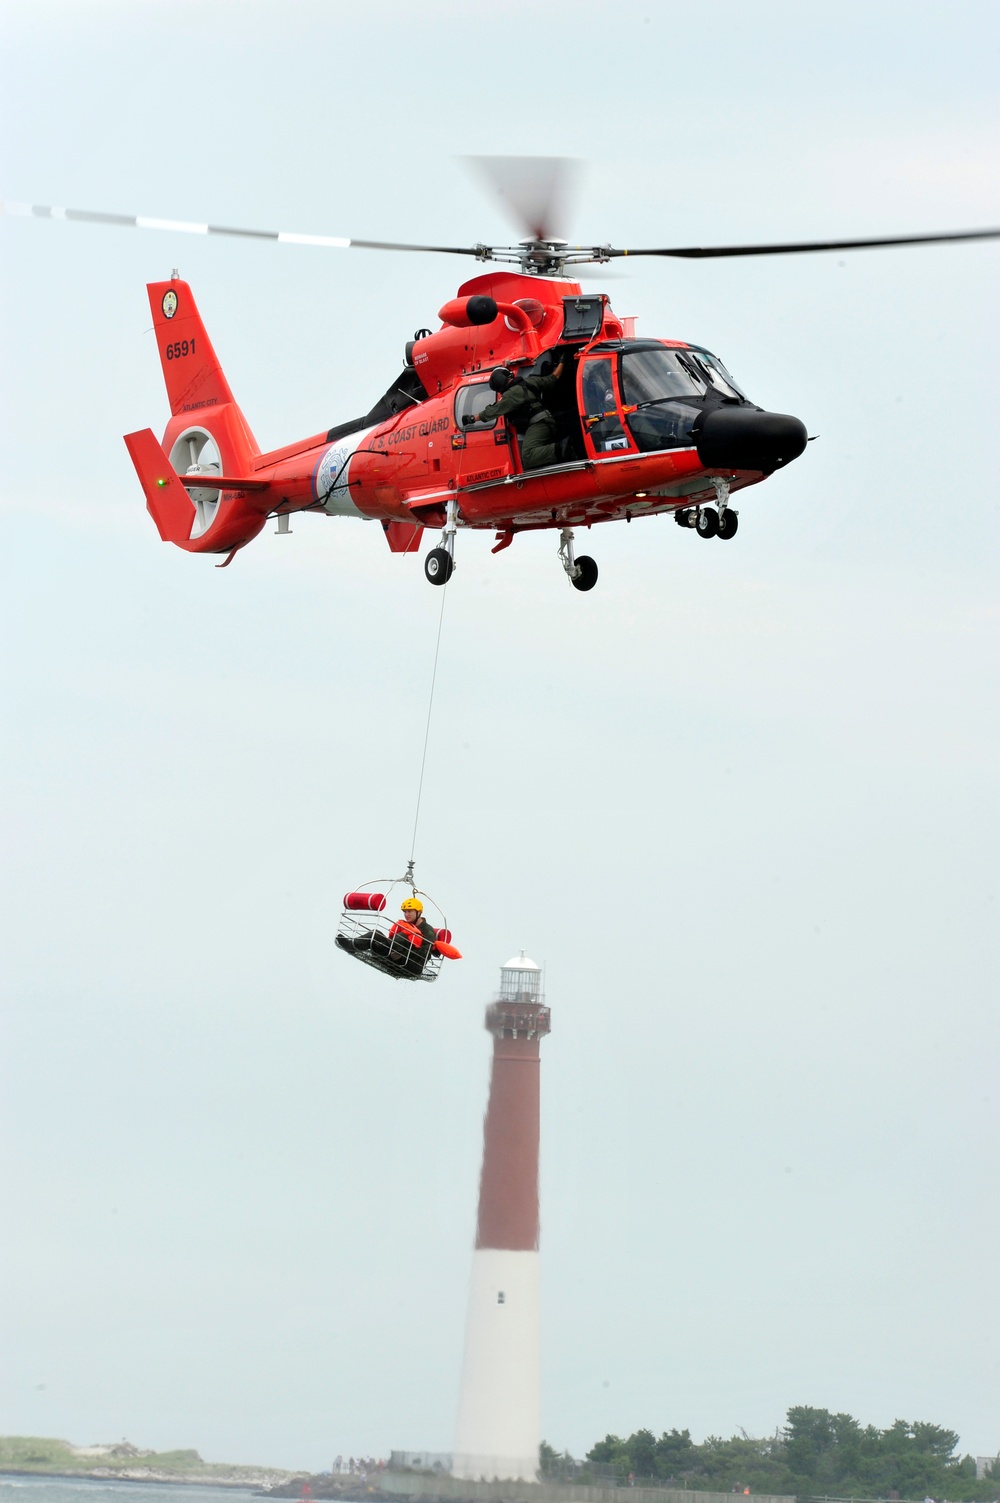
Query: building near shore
point(499, 1418)
point(436, 1462)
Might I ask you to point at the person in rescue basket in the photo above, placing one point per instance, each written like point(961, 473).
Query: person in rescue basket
point(411, 937)
point(409, 943)
point(524, 398)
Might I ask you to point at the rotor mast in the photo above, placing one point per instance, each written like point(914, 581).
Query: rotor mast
point(543, 258)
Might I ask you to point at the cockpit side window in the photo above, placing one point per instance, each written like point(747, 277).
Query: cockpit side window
point(600, 407)
point(472, 399)
point(664, 391)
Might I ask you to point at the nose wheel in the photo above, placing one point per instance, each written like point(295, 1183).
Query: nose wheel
point(708, 521)
point(581, 572)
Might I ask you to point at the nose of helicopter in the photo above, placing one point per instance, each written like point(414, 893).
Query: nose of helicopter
point(742, 438)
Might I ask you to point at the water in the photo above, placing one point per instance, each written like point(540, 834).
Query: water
point(99, 1490)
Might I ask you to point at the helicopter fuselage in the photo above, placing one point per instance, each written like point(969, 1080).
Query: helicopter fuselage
point(646, 426)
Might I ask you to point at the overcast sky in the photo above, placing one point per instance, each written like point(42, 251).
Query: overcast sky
point(740, 800)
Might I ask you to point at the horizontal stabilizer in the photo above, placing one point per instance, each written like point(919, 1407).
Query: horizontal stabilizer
point(207, 481)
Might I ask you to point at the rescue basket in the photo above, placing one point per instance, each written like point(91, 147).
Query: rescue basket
point(373, 929)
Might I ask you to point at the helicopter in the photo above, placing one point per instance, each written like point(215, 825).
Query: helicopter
point(644, 425)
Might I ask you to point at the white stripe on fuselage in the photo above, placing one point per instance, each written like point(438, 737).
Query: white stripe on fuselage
point(332, 480)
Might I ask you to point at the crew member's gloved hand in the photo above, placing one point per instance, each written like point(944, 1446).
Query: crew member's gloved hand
point(470, 417)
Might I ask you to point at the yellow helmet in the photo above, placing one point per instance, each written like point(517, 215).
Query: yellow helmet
point(412, 905)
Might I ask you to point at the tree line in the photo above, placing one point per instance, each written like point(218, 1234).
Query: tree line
point(817, 1454)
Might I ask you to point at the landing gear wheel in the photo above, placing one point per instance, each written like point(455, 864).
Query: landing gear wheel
point(683, 516)
point(708, 523)
point(728, 524)
point(438, 566)
point(587, 577)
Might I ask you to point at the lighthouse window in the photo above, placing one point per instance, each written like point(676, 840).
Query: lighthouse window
point(501, 1298)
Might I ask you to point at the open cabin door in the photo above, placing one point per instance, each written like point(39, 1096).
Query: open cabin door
point(600, 406)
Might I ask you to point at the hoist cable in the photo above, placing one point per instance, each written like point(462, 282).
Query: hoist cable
point(427, 727)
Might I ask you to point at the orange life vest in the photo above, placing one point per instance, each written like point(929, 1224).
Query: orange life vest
point(410, 930)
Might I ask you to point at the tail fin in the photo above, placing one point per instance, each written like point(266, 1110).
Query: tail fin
point(191, 368)
point(207, 436)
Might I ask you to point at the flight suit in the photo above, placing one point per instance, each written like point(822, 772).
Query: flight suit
point(525, 398)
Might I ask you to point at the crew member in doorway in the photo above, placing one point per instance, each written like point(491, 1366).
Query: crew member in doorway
point(524, 400)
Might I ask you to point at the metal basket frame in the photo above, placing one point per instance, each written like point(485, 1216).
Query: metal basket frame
point(397, 957)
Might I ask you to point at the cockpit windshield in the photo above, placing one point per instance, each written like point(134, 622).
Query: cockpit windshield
point(717, 373)
point(658, 375)
point(664, 391)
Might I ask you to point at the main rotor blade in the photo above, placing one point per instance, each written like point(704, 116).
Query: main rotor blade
point(185, 227)
point(535, 190)
point(791, 248)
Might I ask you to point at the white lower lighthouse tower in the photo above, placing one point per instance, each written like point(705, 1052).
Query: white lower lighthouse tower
point(499, 1416)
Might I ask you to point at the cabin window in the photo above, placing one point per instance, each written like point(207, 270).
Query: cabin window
point(472, 399)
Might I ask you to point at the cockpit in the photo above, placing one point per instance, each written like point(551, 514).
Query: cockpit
point(629, 395)
point(659, 373)
point(664, 390)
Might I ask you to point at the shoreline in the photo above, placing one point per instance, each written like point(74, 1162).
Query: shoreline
point(159, 1479)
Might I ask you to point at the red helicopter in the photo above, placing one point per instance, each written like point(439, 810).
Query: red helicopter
point(644, 425)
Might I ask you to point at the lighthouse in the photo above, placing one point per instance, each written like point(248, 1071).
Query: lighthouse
point(499, 1414)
